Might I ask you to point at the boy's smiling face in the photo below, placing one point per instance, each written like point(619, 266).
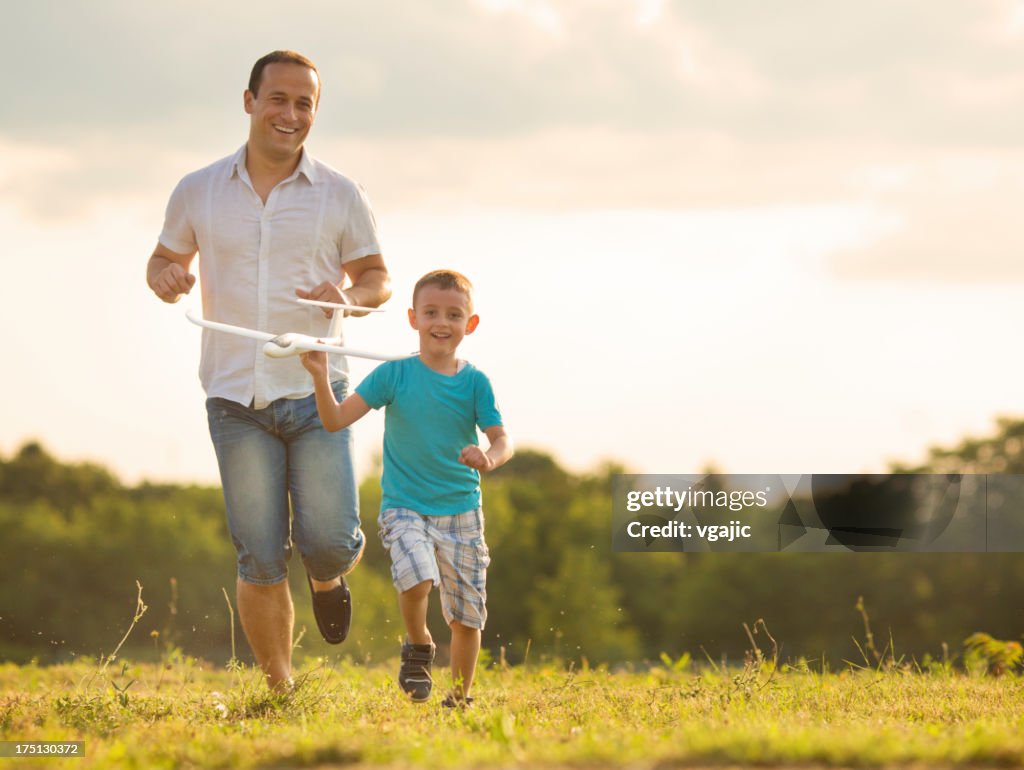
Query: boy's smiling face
point(442, 317)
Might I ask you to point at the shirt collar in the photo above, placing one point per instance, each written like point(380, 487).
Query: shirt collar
point(238, 165)
point(305, 167)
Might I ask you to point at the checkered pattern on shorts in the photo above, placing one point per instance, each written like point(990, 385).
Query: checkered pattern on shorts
point(448, 550)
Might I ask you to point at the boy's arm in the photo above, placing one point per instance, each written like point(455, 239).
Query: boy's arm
point(333, 415)
point(498, 453)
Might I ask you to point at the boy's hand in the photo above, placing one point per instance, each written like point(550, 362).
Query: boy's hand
point(475, 457)
point(315, 362)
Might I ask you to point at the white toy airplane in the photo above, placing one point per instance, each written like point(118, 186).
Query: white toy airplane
point(291, 343)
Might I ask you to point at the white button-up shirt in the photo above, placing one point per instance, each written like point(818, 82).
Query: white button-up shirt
point(252, 258)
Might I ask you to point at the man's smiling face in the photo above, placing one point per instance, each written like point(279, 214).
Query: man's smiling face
point(283, 109)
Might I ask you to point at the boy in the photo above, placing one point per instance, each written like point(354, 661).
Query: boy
point(431, 521)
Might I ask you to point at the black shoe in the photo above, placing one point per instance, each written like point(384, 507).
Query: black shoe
point(451, 702)
point(414, 675)
point(333, 611)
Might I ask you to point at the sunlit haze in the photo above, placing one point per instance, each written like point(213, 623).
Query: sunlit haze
point(777, 237)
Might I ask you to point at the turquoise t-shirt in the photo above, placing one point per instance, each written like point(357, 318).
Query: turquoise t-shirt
point(429, 418)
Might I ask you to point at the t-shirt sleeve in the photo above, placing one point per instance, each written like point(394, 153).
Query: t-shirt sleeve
point(378, 389)
point(487, 412)
point(178, 234)
point(359, 238)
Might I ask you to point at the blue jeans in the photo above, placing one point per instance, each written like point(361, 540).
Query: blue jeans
point(267, 456)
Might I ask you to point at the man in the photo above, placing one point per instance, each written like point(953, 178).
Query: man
point(270, 223)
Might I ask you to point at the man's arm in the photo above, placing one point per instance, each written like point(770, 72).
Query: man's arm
point(498, 453)
point(167, 273)
point(371, 284)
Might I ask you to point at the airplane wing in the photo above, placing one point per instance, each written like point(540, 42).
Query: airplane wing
point(290, 344)
point(340, 306)
point(302, 346)
point(198, 320)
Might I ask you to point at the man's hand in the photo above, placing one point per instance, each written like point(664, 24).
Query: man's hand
point(326, 292)
point(167, 273)
point(475, 457)
point(171, 282)
point(315, 362)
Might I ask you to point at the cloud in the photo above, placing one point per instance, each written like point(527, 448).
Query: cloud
point(70, 181)
point(802, 69)
point(567, 169)
point(552, 170)
point(948, 216)
point(579, 104)
point(959, 222)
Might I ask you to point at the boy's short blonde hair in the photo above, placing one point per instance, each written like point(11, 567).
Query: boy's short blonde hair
point(445, 279)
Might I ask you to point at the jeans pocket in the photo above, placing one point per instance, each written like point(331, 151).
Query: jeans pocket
point(216, 410)
point(340, 388)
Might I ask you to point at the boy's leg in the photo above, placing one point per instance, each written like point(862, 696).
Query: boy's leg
point(462, 560)
point(413, 604)
point(465, 651)
point(418, 650)
point(414, 572)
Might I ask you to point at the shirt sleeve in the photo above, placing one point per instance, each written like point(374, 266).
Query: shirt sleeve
point(378, 389)
point(178, 234)
point(487, 412)
point(359, 238)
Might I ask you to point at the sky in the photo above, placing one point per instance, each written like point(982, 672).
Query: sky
point(776, 237)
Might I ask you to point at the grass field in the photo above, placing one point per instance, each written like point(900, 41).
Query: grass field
point(183, 713)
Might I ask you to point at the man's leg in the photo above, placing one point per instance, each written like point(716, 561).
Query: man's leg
point(253, 464)
point(324, 494)
point(268, 618)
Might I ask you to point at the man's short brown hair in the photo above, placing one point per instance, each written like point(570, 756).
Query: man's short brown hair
point(445, 279)
point(277, 57)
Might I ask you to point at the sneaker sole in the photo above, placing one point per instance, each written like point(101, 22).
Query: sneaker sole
point(413, 696)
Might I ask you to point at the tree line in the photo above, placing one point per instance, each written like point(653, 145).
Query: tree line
point(74, 540)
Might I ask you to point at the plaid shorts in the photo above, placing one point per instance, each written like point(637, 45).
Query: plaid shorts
point(448, 550)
